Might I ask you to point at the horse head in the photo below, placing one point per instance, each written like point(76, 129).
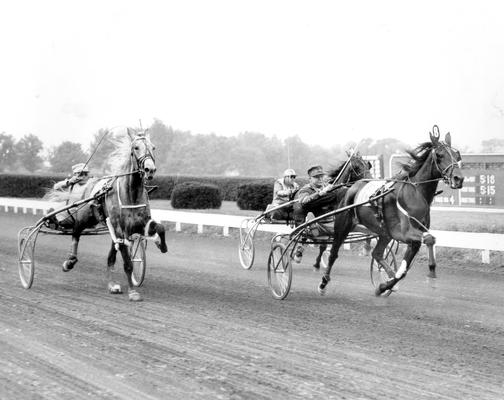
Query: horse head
point(446, 159)
point(351, 170)
point(142, 153)
point(360, 168)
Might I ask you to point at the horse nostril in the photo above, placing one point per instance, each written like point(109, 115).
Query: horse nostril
point(148, 170)
point(458, 180)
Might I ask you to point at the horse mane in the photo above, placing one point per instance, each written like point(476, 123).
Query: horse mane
point(335, 170)
point(417, 159)
point(119, 159)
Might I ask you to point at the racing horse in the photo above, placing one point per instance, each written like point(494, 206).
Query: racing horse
point(122, 202)
point(341, 176)
point(404, 213)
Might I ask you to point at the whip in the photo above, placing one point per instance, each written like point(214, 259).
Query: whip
point(93, 153)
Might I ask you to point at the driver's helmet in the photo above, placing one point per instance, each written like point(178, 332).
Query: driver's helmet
point(289, 172)
point(80, 169)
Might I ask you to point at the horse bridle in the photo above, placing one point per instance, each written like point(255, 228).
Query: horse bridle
point(451, 167)
point(140, 161)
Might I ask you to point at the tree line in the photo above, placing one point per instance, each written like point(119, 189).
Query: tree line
point(184, 153)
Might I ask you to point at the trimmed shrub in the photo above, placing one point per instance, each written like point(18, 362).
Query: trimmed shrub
point(255, 196)
point(195, 195)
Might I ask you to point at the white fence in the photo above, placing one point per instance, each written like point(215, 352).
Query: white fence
point(485, 242)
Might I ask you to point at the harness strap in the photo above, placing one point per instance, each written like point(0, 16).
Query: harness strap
point(403, 211)
point(117, 241)
point(127, 206)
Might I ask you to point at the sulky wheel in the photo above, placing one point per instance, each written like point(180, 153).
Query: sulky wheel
point(26, 255)
point(279, 271)
point(378, 273)
point(246, 251)
point(137, 254)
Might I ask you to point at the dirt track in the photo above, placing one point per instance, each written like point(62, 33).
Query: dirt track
point(209, 329)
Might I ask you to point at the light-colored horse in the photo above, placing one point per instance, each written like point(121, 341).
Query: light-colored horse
point(121, 203)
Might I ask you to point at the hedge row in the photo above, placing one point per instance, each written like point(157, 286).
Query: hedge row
point(36, 185)
point(254, 196)
point(228, 186)
point(255, 193)
point(27, 185)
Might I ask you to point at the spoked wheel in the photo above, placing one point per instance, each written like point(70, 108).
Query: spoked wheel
point(27, 238)
point(137, 254)
point(378, 273)
point(279, 271)
point(246, 251)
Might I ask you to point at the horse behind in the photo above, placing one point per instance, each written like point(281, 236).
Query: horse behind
point(122, 203)
point(404, 213)
point(342, 177)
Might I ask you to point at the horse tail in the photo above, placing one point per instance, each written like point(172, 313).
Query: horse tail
point(61, 196)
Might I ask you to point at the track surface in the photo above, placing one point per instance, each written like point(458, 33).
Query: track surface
point(210, 330)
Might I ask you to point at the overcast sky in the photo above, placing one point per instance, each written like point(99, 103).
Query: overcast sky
point(328, 71)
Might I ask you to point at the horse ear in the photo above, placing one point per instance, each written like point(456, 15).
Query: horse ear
point(434, 136)
point(448, 139)
point(130, 133)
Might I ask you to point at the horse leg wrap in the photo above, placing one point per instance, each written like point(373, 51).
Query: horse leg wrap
point(402, 270)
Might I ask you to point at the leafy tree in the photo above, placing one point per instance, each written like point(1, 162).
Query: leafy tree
point(301, 155)
point(8, 156)
point(65, 155)
point(102, 147)
point(163, 137)
point(28, 150)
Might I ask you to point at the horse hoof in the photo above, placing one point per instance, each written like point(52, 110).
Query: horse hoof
point(134, 296)
point(161, 245)
point(322, 290)
point(316, 267)
point(68, 264)
point(379, 290)
point(114, 288)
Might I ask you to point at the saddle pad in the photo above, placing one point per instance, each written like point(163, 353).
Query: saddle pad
point(370, 189)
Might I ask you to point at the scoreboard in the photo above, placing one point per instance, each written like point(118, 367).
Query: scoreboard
point(483, 181)
point(376, 166)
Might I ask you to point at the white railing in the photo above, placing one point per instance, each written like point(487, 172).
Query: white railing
point(485, 242)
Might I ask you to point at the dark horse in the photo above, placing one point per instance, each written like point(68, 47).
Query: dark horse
point(121, 202)
point(404, 213)
point(341, 176)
